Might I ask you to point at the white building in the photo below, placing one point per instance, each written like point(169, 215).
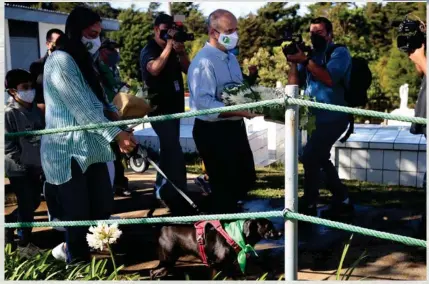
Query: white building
point(25, 33)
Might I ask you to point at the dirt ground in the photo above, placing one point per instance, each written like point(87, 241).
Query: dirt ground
point(318, 258)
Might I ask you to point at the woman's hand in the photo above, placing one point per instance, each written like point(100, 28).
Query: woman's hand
point(126, 141)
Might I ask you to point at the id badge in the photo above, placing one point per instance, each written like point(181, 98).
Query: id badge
point(177, 86)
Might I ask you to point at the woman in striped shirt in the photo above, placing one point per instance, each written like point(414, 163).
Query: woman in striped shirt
point(76, 161)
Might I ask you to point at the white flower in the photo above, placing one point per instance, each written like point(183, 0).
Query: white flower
point(102, 235)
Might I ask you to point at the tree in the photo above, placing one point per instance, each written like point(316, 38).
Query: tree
point(272, 68)
point(135, 30)
point(267, 28)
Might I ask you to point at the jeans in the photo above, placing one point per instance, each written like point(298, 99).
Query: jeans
point(87, 196)
point(27, 190)
point(316, 156)
point(228, 160)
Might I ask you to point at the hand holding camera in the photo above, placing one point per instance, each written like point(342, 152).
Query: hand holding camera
point(412, 40)
point(295, 49)
point(412, 35)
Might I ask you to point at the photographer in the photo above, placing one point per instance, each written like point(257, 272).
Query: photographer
point(162, 62)
point(324, 82)
point(412, 40)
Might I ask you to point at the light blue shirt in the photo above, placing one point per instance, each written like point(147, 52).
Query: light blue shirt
point(210, 72)
point(70, 102)
point(339, 68)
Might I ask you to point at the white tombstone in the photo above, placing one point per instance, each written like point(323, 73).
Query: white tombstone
point(279, 85)
point(403, 108)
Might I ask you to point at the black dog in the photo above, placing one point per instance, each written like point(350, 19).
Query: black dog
point(179, 240)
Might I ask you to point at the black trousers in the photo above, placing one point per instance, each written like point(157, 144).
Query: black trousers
point(225, 150)
point(27, 190)
point(87, 196)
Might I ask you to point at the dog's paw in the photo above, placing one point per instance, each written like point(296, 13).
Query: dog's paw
point(158, 273)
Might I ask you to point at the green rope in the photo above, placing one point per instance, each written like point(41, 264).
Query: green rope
point(356, 229)
point(147, 119)
point(356, 111)
point(152, 220)
point(287, 100)
point(270, 214)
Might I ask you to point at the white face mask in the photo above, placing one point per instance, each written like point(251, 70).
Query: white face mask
point(228, 41)
point(92, 44)
point(27, 96)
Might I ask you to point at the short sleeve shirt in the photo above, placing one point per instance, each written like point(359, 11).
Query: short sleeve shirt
point(339, 68)
point(166, 91)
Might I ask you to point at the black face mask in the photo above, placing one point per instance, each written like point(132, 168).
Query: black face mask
point(318, 41)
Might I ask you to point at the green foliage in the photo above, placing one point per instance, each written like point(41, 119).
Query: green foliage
point(266, 28)
point(271, 67)
point(367, 31)
point(349, 271)
point(135, 31)
point(45, 267)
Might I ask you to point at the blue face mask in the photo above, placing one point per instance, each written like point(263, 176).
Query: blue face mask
point(234, 51)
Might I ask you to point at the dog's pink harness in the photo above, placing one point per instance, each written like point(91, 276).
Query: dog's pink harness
point(201, 230)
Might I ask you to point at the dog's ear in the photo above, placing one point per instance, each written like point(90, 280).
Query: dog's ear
point(250, 227)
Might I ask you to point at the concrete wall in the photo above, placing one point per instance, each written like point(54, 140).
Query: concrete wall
point(43, 29)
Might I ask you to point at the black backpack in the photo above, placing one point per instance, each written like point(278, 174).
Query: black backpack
point(356, 92)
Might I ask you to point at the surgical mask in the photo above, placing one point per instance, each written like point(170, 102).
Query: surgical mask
point(318, 41)
point(27, 96)
point(92, 45)
point(228, 41)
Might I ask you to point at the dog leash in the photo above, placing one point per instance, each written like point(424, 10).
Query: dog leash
point(174, 186)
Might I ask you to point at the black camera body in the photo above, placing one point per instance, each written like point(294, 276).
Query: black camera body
point(412, 35)
point(180, 35)
point(295, 41)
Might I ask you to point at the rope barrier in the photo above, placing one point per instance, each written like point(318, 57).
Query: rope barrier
point(288, 100)
point(270, 214)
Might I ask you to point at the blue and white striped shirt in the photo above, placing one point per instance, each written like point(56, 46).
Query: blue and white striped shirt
point(210, 72)
point(70, 102)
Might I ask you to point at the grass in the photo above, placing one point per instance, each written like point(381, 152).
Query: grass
point(270, 184)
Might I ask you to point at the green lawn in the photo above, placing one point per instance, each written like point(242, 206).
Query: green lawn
point(270, 184)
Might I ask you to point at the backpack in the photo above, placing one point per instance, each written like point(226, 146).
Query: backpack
point(356, 92)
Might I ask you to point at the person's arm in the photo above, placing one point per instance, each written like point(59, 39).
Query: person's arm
point(180, 49)
point(334, 71)
point(11, 144)
point(419, 59)
point(154, 65)
point(62, 73)
point(202, 85)
point(293, 76)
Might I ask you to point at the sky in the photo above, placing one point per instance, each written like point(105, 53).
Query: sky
point(239, 9)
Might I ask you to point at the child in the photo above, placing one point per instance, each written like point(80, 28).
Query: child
point(22, 154)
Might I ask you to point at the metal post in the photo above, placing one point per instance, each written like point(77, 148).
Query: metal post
point(170, 12)
point(291, 184)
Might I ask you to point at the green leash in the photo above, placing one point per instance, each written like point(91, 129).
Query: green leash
point(235, 231)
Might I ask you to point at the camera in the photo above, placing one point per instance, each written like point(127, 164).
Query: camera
point(412, 35)
point(181, 35)
point(295, 40)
